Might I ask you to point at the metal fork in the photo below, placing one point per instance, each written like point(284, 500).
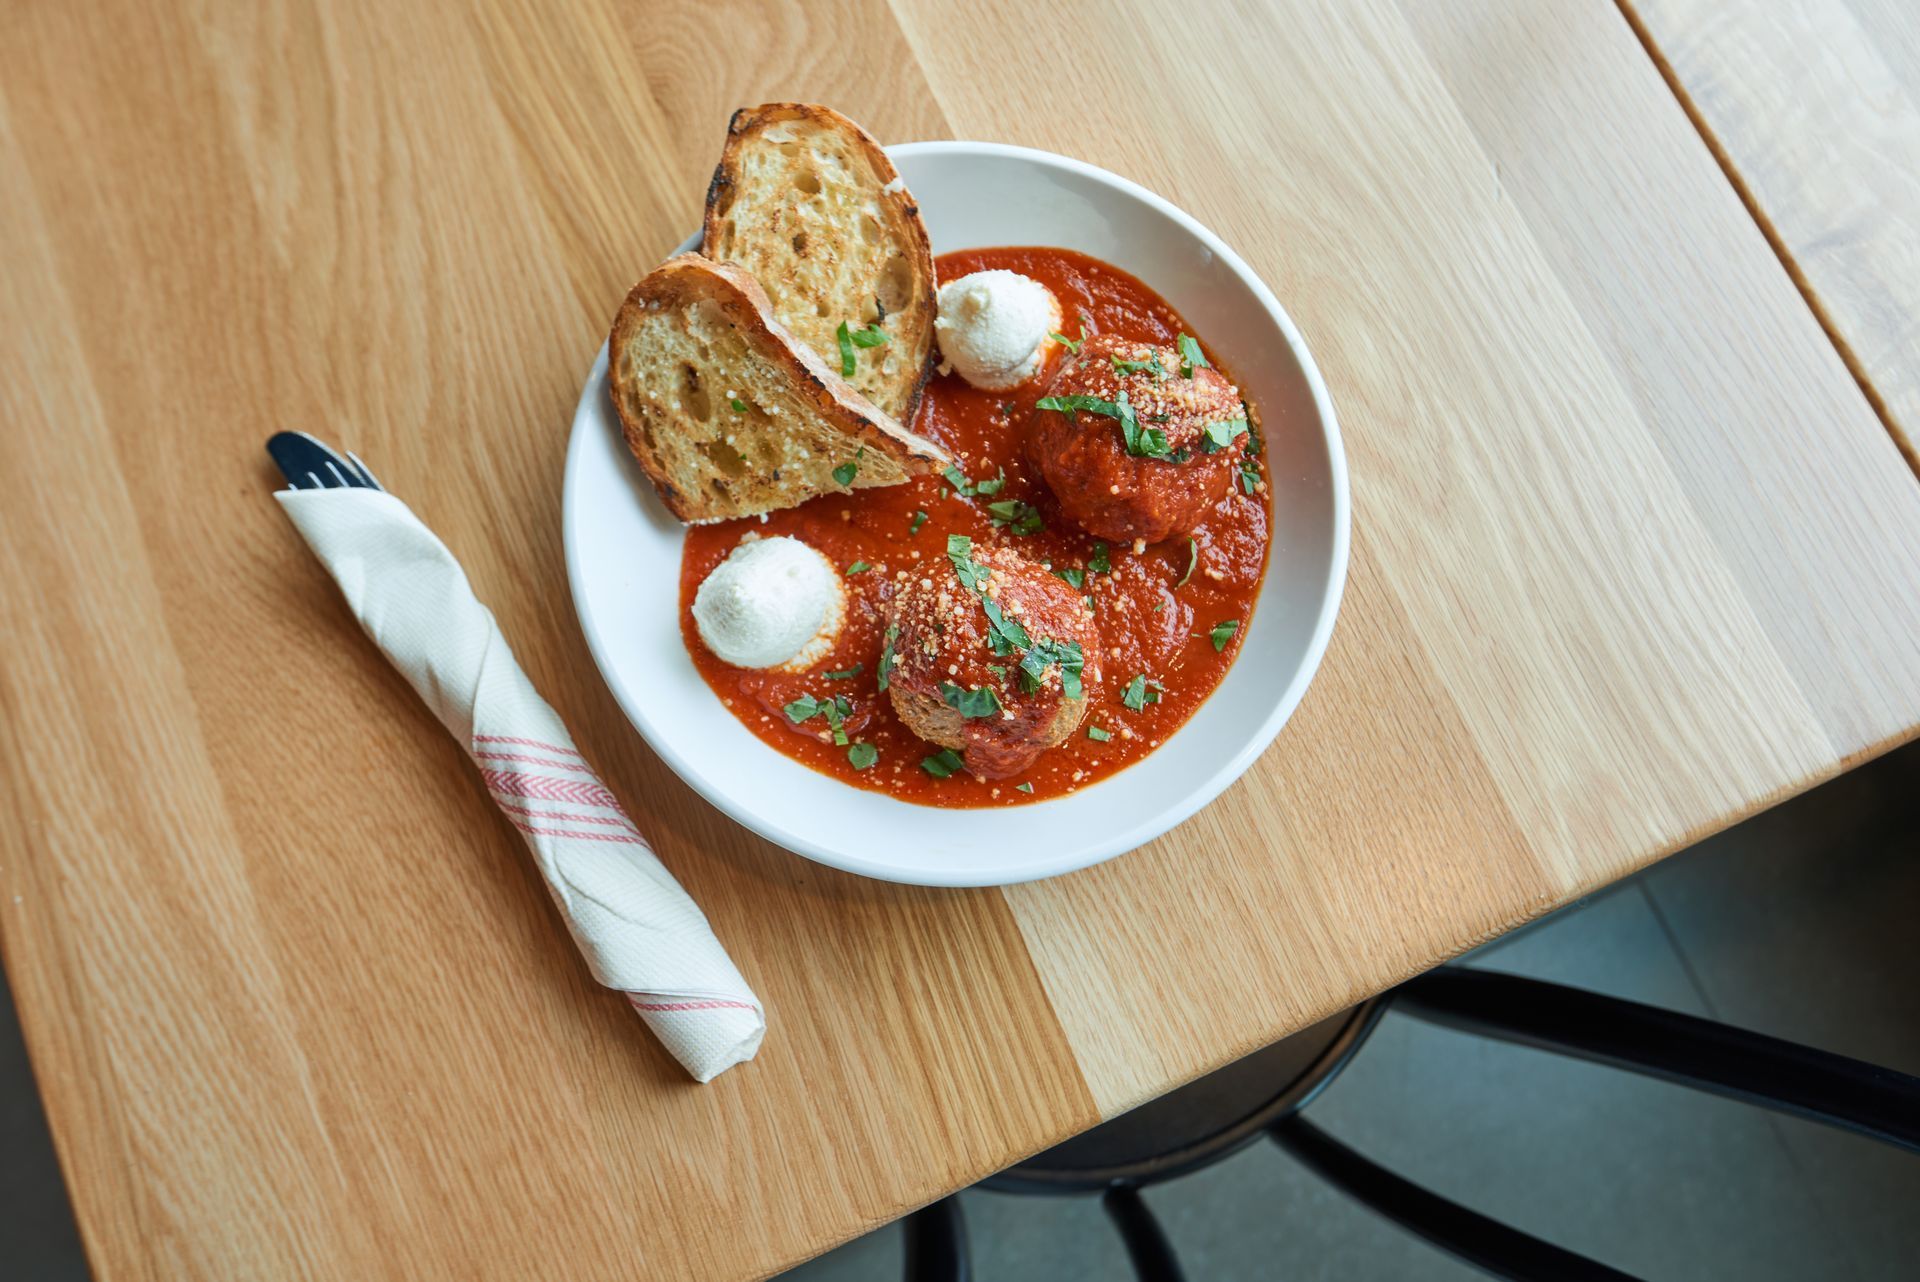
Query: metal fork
point(310, 464)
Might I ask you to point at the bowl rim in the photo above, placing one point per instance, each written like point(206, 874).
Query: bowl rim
point(1079, 856)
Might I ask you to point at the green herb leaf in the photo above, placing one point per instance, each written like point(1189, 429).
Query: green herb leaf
point(1215, 437)
point(858, 567)
point(971, 573)
point(1098, 735)
point(1020, 517)
point(884, 673)
point(1004, 635)
point(1077, 578)
point(862, 755)
point(1249, 475)
point(942, 763)
point(1151, 365)
point(1071, 344)
point(845, 473)
point(846, 352)
point(837, 709)
point(1046, 654)
point(1023, 787)
point(802, 708)
point(1000, 673)
point(919, 519)
point(1098, 562)
point(1135, 695)
point(1193, 559)
point(1223, 633)
point(971, 703)
point(1191, 357)
point(739, 406)
point(845, 673)
point(1180, 455)
point(871, 336)
point(1253, 430)
point(967, 489)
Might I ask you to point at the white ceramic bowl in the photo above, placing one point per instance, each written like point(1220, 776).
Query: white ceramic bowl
point(623, 557)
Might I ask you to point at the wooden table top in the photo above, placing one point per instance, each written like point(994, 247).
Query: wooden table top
point(1635, 554)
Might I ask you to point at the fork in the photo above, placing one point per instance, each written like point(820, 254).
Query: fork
point(304, 458)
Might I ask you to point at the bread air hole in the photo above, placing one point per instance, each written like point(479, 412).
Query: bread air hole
point(895, 285)
point(807, 182)
point(698, 403)
point(800, 243)
point(726, 459)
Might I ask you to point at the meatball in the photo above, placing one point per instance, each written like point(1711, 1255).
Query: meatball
point(990, 655)
point(1112, 491)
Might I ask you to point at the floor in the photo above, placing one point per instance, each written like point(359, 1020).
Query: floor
point(1799, 923)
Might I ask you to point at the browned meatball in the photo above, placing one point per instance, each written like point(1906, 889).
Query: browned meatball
point(999, 691)
point(1148, 492)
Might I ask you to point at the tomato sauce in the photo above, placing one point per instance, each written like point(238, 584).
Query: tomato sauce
point(1157, 610)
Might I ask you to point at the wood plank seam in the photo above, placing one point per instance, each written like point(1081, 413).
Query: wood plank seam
point(1722, 157)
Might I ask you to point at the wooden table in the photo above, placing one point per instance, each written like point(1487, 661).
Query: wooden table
point(1634, 556)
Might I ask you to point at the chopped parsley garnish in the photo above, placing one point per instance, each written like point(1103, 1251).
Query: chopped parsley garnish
point(1223, 633)
point(845, 673)
point(1159, 605)
point(999, 673)
point(1137, 696)
point(1193, 559)
point(1215, 437)
point(1159, 418)
point(1253, 429)
point(871, 336)
point(739, 406)
point(1071, 344)
point(1180, 455)
point(919, 519)
point(1142, 442)
point(1249, 475)
point(845, 473)
point(1021, 517)
point(1024, 787)
point(862, 755)
point(846, 351)
point(836, 709)
point(1098, 562)
point(1077, 578)
point(960, 551)
point(1151, 365)
point(971, 703)
point(1098, 735)
point(1004, 635)
point(858, 567)
point(968, 489)
point(1044, 655)
point(942, 763)
point(1191, 357)
point(884, 672)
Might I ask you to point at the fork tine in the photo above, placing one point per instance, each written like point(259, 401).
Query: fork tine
point(366, 471)
point(333, 467)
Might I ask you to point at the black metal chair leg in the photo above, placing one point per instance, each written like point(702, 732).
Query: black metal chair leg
point(1761, 1070)
point(1502, 1251)
point(937, 1244)
point(1147, 1246)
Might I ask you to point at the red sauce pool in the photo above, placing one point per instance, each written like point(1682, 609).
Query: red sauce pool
point(1149, 627)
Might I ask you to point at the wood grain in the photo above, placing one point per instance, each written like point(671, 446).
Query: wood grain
point(1633, 557)
point(1814, 106)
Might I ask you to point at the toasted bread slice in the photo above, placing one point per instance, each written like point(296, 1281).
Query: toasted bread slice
point(806, 201)
point(694, 338)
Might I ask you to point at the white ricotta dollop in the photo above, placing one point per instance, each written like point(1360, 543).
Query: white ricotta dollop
point(773, 603)
point(993, 326)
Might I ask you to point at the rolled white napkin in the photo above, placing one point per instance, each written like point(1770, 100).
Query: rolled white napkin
point(639, 931)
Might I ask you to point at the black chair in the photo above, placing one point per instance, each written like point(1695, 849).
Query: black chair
point(1219, 1115)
